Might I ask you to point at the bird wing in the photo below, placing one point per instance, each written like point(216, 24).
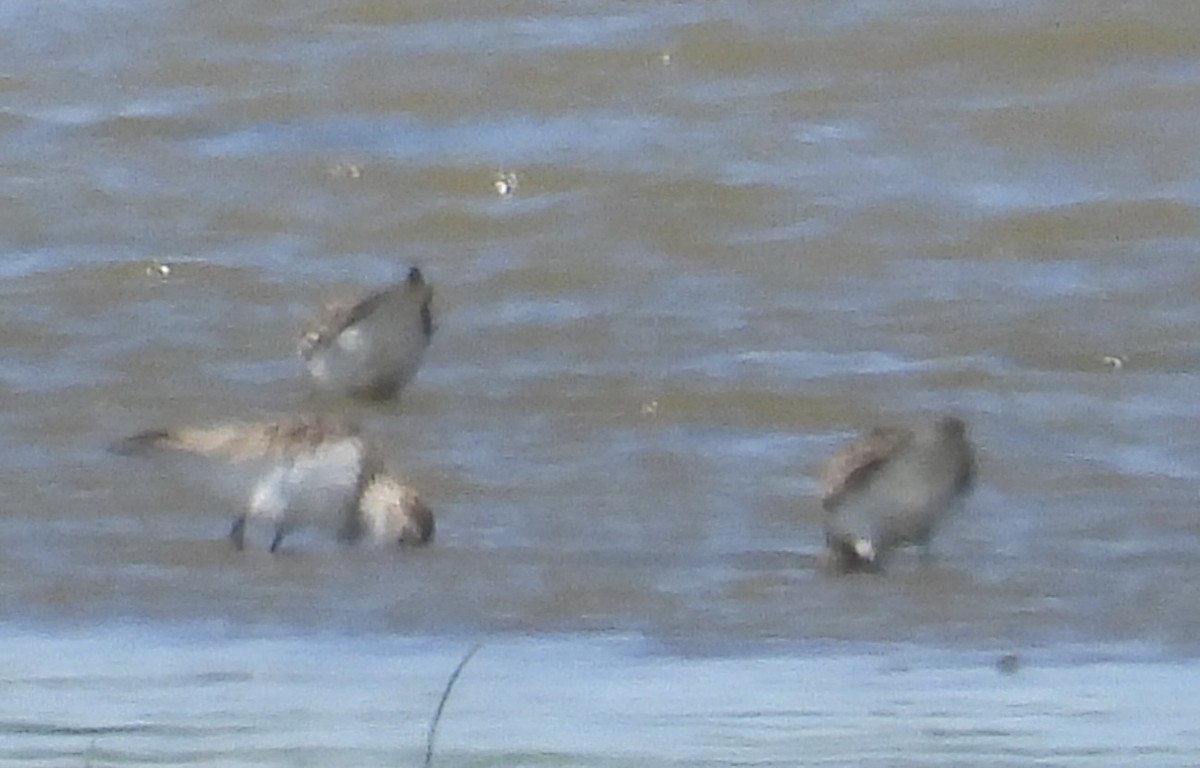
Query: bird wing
point(334, 317)
point(856, 463)
point(339, 314)
point(244, 441)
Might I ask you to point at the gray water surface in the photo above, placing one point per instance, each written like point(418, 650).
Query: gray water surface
point(126, 697)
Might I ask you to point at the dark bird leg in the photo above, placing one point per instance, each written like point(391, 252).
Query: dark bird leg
point(279, 534)
point(238, 532)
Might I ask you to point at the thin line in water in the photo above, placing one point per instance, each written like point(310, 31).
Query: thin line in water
point(437, 714)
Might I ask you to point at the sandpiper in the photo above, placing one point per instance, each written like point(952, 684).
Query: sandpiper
point(307, 472)
point(371, 348)
point(890, 488)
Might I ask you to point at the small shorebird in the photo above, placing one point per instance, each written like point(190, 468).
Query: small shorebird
point(891, 487)
point(307, 472)
point(371, 348)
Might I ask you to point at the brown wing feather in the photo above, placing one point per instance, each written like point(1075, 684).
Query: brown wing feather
point(337, 315)
point(856, 462)
point(245, 441)
point(333, 318)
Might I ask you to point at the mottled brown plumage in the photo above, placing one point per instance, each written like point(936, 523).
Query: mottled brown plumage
point(854, 464)
point(891, 487)
point(392, 511)
point(371, 347)
point(308, 472)
point(246, 441)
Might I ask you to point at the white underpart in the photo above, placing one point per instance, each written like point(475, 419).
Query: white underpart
point(350, 340)
point(314, 489)
point(319, 367)
point(864, 549)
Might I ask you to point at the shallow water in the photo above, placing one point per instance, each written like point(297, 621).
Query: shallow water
point(125, 697)
point(741, 232)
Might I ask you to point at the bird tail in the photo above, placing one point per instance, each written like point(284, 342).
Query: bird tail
point(144, 443)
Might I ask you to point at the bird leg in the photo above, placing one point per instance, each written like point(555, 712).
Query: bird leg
point(238, 532)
